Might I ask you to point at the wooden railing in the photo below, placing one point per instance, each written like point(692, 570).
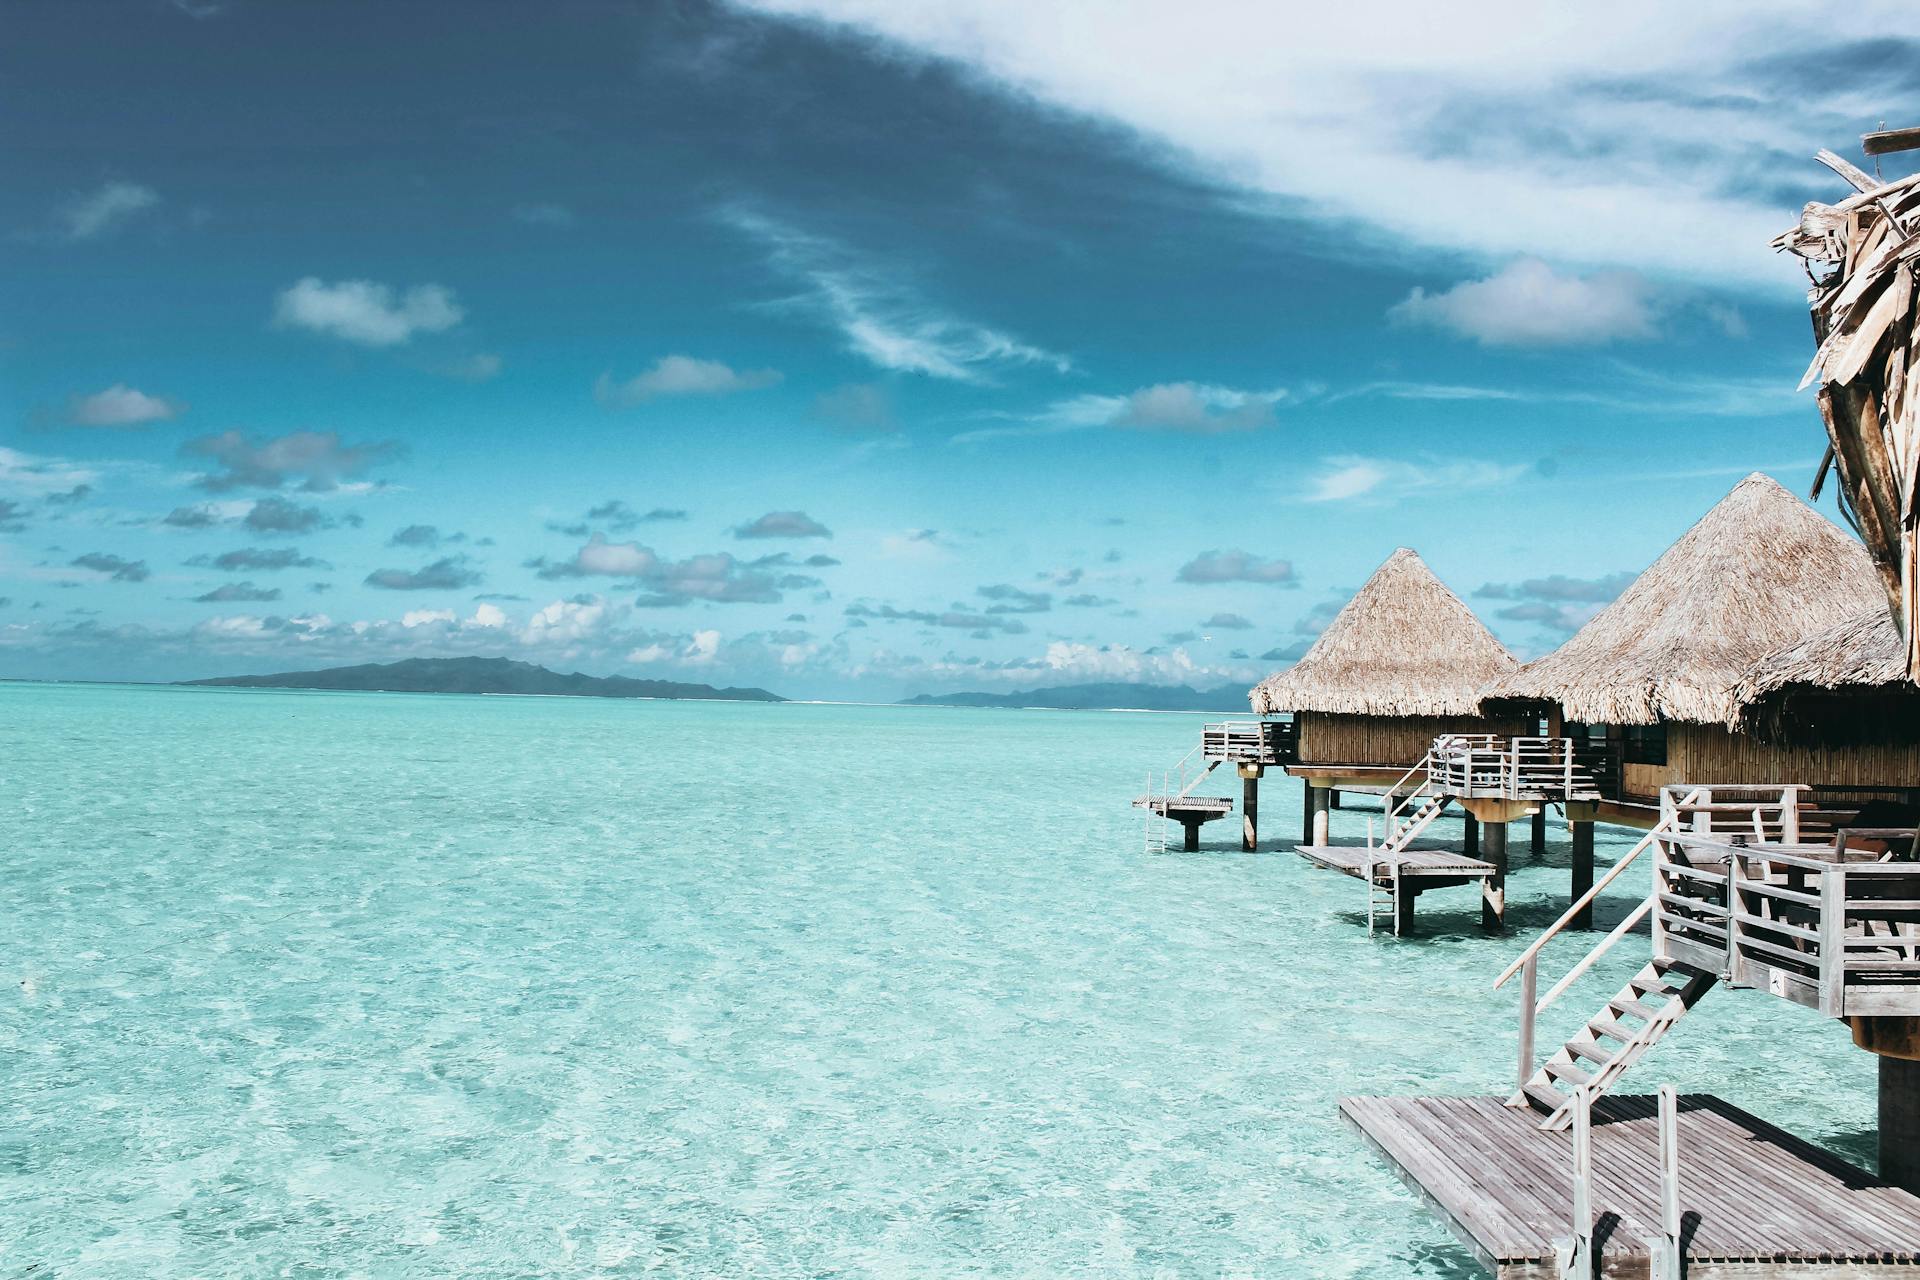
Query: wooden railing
point(1486, 764)
point(1834, 926)
point(1527, 964)
point(1251, 741)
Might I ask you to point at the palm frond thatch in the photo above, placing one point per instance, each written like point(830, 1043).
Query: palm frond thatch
point(1759, 572)
point(1405, 645)
point(1863, 257)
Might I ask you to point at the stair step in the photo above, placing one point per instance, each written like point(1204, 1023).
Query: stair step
point(1628, 1005)
point(1590, 1049)
point(1569, 1073)
point(1542, 1098)
point(1605, 1026)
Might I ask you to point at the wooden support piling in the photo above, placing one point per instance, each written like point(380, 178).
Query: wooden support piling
point(1537, 845)
point(1250, 806)
point(1900, 1122)
point(1192, 828)
point(1333, 798)
point(1493, 890)
point(1306, 811)
point(1470, 835)
point(1320, 816)
point(1582, 833)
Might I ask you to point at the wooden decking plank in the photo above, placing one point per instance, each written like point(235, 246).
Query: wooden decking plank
point(1492, 1224)
point(1751, 1192)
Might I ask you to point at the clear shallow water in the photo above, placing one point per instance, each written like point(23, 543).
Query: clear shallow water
point(381, 985)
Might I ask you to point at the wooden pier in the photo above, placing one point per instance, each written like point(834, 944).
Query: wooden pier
point(1402, 876)
point(1755, 1201)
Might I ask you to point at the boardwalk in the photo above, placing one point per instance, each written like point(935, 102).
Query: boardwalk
point(1755, 1201)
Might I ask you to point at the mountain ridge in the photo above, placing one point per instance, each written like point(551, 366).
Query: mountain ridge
point(481, 675)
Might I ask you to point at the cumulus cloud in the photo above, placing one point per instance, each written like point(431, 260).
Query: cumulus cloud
point(1236, 566)
point(1011, 599)
point(318, 460)
point(116, 568)
point(880, 316)
point(1350, 477)
point(980, 626)
point(258, 560)
point(365, 312)
point(716, 577)
point(1560, 604)
point(198, 517)
point(450, 573)
point(1529, 304)
point(1228, 622)
point(783, 524)
point(680, 376)
point(1088, 600)
point(121, 406)
point(111, 207)
point(415, 535)
point(275, 515)
point(237, 592)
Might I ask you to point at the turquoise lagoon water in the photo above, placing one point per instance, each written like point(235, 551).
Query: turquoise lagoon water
point(314, 984)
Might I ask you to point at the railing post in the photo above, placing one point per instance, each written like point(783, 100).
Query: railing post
point(1833, 941)
point(1576, 1252)
point(1736, 873)
point(1790, 816)
point(1529, 1008)
point(1666, 1247)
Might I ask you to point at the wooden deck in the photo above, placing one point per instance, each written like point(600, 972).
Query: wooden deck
point(1415, 864)
point(1755, 1201)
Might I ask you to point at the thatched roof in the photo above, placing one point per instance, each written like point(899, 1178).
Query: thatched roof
point(1864, 653)
point(1759, 572)
point(1403, 646)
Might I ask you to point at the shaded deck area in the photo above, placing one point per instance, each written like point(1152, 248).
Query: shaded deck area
point(1755, 1201)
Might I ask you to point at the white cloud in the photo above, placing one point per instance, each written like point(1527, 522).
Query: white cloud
point(1350, 477)
point(1529, 304)
point(702, 649)
point(36, 477)
point(104, 210)
point(121, 406)
point(365, 312)
point(1626, 134)
point(1194, 408)
point(488, 615)
point(680, 376)
point(423, 617)
point(880, 317)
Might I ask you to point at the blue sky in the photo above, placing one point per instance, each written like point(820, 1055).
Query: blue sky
point(858, 349)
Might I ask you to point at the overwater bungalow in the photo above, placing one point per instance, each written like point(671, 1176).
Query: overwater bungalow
point(1840, 698)
point(1401, 664)
point(1653, 674)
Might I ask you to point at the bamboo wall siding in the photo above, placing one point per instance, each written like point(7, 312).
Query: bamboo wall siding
point(1390, 740)
point(1699, 753)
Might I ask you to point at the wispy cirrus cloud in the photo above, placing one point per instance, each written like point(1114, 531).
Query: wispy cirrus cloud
point(1557, 140)
point(1357, 478)
point(880, 315)
point(1189, 408)
point(104, 210)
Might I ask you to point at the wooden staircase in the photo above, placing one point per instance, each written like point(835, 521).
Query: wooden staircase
point(1633, 1021)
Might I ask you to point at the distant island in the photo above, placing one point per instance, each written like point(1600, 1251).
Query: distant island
point(1098, 697)
point(482, 675)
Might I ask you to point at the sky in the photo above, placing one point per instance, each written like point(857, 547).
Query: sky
point(853, 349)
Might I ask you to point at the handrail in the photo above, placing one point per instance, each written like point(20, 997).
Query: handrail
point(1585, 900)
point(1605, 945)
point(1419, 766)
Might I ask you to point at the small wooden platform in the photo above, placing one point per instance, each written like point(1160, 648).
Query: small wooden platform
point(1755, 1201)
point(1414, 864)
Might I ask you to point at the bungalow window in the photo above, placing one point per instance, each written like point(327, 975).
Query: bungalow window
point(1643, 744)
